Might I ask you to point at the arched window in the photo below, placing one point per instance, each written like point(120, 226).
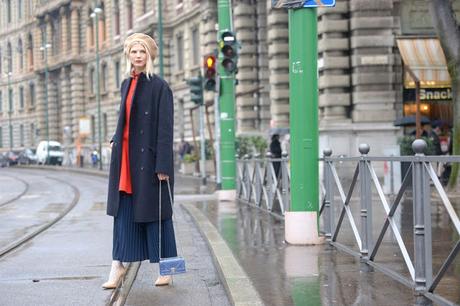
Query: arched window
point(30, 52)
point(116, 17)
point(8, 11)
point(20, 55)
point(129, 12)
point(20, 9)
point(9, 57)
point(31, 94)
point(1, 61)
point(90, 29)
point(92, 79)
point(104, 75)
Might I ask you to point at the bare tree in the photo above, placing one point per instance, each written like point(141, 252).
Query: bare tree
point(448, 31)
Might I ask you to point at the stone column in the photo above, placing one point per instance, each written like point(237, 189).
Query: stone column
point(49, 38)
point(334, 63)
point(263, 94)
point(77, 96)
point(278, 55)
point(372, 44)
point(75, 30)
point(66, 105)
point(53, 111)
point(64, 16)
point(245, 21)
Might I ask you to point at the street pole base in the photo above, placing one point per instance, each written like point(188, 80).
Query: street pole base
point(226, 195)
point(301, 228)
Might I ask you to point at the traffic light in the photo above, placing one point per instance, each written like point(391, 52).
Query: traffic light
point(209, 82)
point(228, 47)
point(196, 89)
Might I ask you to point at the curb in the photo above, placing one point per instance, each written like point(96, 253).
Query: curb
point(238, 285)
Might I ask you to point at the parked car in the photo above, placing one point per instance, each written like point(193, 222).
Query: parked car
point(12, 157)
point(27, 157)
point(4, 162)
point(50, 153)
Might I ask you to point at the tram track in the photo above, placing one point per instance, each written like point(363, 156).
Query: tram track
point(17, 197)
point(42, 228)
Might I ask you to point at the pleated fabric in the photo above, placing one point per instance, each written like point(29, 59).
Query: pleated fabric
point(134, 241)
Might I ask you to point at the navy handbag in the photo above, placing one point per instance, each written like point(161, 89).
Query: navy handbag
point(170, 265)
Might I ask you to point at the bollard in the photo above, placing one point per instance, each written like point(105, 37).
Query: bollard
point(422, 222)
point(329, 196)
point(366, 205)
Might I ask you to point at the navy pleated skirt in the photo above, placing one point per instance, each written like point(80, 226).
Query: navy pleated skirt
point(134, 241)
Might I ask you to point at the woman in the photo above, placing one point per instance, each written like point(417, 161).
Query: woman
point(142, 158)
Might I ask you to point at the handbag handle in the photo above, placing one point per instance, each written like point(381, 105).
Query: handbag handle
point(159, 213)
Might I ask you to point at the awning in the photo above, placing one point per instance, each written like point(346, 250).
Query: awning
point(425, 58)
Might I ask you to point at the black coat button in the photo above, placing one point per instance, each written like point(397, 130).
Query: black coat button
point(142, 168)
point(146, 113)
point(142, 132)
point(142, 150)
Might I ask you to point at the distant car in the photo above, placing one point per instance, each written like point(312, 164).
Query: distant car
point(12, 157)
point(50, 153)
point(4, 162)
point(27, 157)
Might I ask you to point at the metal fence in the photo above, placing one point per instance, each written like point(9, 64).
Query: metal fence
point(261, 185)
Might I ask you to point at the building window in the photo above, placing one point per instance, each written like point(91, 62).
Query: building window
point(180, 52)
point(10, 100)
point(32, 95)
point(9, 57)
point(104, 78)
point(32, 134)
point(31, 7)
point(30, 52)
point(1, 101)
point(20, 9)
point(104, 125)
point(196, 46)
point(116, 17)
point(93, 128)
point(129, 11)
point(117, 74)
point(21, 135)
point(90, 29)
point(21, 97)
point(1, 61)
point(92, 78)
point(8, 11)
point(21, 55)
point(1, 137)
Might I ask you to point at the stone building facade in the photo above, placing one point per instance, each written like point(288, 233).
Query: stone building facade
point(360, 70)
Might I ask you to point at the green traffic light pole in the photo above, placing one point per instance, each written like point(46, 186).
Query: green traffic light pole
point(227, 109)
point(95, 15)
point(44, 48)
point(301, 222)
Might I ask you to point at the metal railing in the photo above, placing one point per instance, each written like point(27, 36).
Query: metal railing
point(264, 182)
point(260, 184)
point(422, 173)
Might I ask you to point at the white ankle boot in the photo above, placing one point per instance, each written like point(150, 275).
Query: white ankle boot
point(116, 275)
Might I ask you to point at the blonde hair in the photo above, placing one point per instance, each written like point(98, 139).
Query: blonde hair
point(150, 47)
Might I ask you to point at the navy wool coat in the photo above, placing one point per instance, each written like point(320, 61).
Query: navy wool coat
point(150, 149)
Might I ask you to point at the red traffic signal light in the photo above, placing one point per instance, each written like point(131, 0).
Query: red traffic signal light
point(209, 72)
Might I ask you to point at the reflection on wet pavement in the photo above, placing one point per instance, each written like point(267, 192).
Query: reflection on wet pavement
point(321, 275)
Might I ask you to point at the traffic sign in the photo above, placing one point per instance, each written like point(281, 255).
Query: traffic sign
point(318, 3)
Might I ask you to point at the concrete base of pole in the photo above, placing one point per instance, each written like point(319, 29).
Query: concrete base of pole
point(226, 195)
point(301, 227)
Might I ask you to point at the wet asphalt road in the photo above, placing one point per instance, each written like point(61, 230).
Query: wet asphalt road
point(66, 264)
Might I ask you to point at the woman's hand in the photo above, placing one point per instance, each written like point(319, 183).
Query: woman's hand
point(162, 176)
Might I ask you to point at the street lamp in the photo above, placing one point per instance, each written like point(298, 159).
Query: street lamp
point(45, 48)
point(95, 16)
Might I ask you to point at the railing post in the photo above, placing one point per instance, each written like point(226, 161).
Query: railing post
point(246, 180)
point(366, 203)
point(329, 195)
point(257, 180)
point(422, 222)
point(285, 182)
point(269, 175)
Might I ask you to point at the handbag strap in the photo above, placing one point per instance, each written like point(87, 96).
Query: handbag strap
point(159, 213)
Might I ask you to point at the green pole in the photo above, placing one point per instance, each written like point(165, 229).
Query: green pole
point(45, 49)
point(10, 108)
point(160, 36)
point(227, 105)
point(97, 11)
point(302, 219)
point(303, 92)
